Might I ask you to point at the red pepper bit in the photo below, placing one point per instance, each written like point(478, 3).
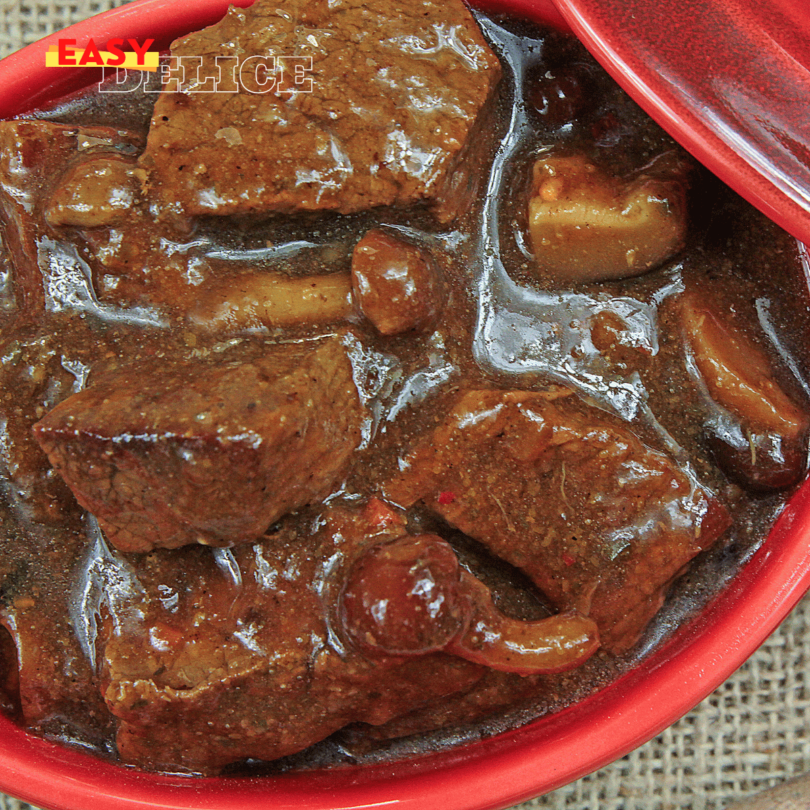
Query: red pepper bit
point(379, 515)
point(446, 497)
point(568, 559)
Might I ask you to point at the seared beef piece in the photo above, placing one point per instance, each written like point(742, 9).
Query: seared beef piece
point(208, 450)
point(33, 155)
point(600, 522)
point(496, 690)
point(40, 366)
point(396, 283)
point(394, 111)
point(236, 653)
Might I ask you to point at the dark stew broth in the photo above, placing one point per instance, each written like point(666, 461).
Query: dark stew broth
point(321, 449)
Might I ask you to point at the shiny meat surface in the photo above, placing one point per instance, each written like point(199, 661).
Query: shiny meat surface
point(210, 451)
point(213, 658)
point(600, 522)
point(390, 107)
point(352, 425)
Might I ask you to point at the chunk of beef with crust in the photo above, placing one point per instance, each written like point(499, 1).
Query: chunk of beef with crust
point(42, 365)
point(598, 520)
point(210, 450)
point(236, 653)
point(394, 110)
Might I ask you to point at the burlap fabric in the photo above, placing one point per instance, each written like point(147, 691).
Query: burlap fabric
point(751, 734)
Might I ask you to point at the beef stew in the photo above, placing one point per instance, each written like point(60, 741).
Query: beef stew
point(246, 453)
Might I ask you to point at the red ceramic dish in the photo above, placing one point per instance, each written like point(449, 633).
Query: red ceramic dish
point(729, 79)
point(495, 773)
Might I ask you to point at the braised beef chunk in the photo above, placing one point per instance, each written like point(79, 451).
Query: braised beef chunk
point(598, 520)
point(236, 655)
point(38, 370)
point(371, 395)
point(55, 689)
point(372, 103)
point(324, 623)
point(210, 450)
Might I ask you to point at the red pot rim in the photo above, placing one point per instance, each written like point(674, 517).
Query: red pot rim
point(493, 773)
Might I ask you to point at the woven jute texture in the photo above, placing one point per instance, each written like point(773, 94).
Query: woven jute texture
point(749, 735)
point(24, 23)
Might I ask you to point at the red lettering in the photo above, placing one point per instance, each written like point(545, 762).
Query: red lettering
point(118, 56)
point(91, 55)
point(141, 50)
point(66, 57)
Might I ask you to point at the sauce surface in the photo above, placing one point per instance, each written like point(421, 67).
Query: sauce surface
point(522, 447)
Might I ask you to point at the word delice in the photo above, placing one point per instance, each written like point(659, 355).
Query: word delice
point(254, 74)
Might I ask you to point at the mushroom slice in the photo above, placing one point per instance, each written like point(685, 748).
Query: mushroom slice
point(759, 433)
point(253, 300)
point(586, 225)
point(410, 597)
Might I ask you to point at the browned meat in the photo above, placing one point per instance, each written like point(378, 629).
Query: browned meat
point(397, 114)
point(211, 450)
point(495, 690)
point(241, 659)
point(396, 284)
point(40, 369)
point(599, 521)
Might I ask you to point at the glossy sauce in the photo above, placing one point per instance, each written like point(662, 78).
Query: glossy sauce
point(617, 344)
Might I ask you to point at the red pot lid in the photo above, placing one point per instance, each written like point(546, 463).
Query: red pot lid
point(729, 79)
